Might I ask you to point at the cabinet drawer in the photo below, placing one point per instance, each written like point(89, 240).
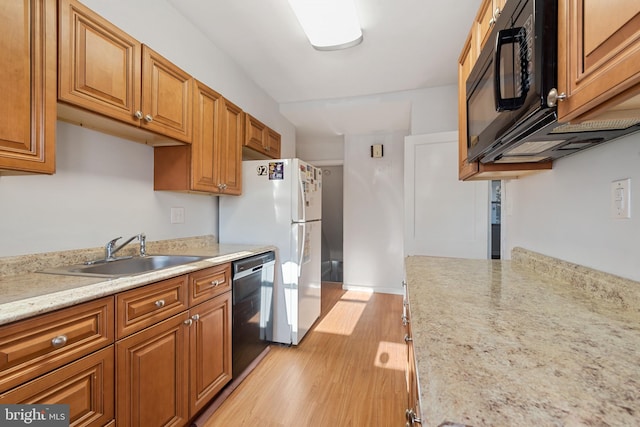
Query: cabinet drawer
point(86, 385)
point(209, 282)
point(38, 345)
point(138, 308)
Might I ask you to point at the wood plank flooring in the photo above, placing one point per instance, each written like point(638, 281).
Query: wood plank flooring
point(349, 370)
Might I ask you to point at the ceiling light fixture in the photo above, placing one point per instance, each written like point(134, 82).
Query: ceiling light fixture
point(328, 24)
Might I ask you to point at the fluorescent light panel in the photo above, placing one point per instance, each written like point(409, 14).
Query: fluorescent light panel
point(328, 24)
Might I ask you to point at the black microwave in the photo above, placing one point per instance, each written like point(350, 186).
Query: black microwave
point(511, 93)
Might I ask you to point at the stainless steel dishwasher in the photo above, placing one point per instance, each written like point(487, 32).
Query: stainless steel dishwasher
point(252, 294)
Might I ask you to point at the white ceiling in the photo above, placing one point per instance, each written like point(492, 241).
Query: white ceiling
point(408, 44)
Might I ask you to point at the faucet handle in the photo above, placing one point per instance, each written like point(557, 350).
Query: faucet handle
point(108, 248)
point(143, 244)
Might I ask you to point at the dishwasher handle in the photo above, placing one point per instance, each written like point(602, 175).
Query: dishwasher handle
point(249, 271)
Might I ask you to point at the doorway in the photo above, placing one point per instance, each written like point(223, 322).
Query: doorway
point(496, 203)
point(332, 220)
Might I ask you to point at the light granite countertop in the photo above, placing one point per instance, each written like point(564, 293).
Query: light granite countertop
point(529, 342)
point(25, 292)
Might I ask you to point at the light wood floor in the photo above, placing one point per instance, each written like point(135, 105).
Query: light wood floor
point(349, 370)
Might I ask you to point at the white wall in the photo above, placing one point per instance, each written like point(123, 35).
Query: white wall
point(373, 213)
point(103, 187)
point(434, 110)
point(324, 149)
point(565, 213)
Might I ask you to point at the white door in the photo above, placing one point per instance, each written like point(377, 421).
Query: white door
point(443, 215)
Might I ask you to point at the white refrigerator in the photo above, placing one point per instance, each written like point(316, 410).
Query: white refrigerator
point(281, 205)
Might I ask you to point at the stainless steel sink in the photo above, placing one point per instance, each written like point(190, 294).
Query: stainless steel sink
point(126, 266)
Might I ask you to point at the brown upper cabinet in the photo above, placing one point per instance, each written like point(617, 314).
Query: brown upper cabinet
point(28, 86)
point(262, 141)
point(599, 60)
point(103, 70)
point(213, 161)
point(487, 14)
point(485, 19)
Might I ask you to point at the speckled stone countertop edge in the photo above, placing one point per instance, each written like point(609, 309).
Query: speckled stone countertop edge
point(618, 290)
point(27, 294)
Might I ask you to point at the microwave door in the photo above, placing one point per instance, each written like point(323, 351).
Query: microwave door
point(511, 83)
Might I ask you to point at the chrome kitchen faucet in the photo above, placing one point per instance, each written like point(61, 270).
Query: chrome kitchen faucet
point(110, 251)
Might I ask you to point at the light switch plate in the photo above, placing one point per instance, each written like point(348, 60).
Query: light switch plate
point(177, 215)
point(621, 199)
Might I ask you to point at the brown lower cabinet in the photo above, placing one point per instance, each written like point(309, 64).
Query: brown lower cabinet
point(152, 375)
point(170, 371)
point(86, 385)
point(171, 357)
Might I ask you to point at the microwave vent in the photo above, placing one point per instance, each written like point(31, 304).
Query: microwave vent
point(521, 159)
point(596, 125)
point(533, 147)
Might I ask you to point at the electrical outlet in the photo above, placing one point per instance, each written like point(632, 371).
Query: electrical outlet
point(621, 199)
point(177, 215)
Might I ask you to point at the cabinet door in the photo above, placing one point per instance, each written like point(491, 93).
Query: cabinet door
point(273, 143)
point(99, 65)
point(232, 133)
point(599, 52)
point(166, 97)
point(210, 350)
point(465, 63)
point(28, 85)
point(254, 134)
point(152, 370)
point(86, 385)
point(205, 155)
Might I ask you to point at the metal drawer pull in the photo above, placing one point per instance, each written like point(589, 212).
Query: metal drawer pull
point(188, 322)
point(59, 341)
point(407, 338)
point(159, 303)
point(195, 317)
point(215, 283)
point(412, 417)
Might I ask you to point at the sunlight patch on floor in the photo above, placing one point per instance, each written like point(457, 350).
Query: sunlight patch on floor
point(342, 319)
point(345, 314)
point(391, 355)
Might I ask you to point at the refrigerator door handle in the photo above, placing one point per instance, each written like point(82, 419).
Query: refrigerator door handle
point(301, 203)
point(304, 237)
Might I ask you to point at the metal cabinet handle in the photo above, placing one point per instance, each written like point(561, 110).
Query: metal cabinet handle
point(160, 303)
point(138, 114)
point(405, 320)
point(412, 417)
point(215, 283)
point(188, 322)
point(148, 118)
point(195, 317)
point(553, 97)
point(59, 341)
point(407, 338)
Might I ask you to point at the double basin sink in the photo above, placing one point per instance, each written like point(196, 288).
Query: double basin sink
point(125, 266)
